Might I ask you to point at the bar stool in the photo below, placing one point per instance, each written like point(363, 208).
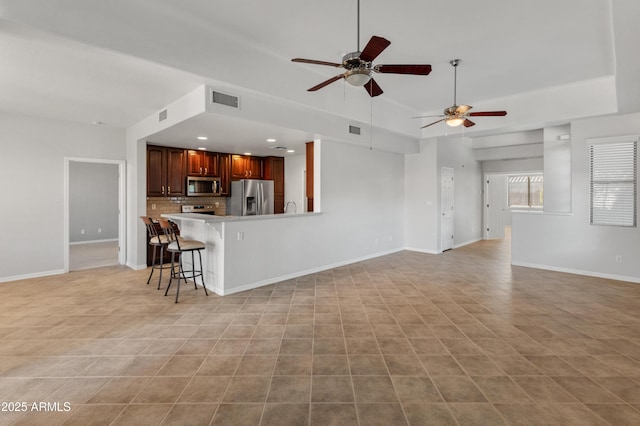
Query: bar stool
point(157, 242)
point(178, 246)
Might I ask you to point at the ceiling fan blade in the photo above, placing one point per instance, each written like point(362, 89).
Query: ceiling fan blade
point(403, 69)
point(468, 123)
point(372, 88)
point(426, 116)
point(375, 47)
point(462, 109)
point(326, 83)
point(313, 61)
point(488, 114)
point(431, 124)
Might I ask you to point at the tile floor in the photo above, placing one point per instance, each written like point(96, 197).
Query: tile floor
point(409, 338)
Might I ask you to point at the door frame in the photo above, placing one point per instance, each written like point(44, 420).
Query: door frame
point(122, 204)
point(452, 240)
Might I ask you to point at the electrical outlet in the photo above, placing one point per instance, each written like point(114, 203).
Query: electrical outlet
point(240, 236)
point(99, 230)
point(153, 206)
point(217, 204)
point(82, 232)
point(618, 258)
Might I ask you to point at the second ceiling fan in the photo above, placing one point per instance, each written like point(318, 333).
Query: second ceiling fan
point(457, 115)
point(359, 65)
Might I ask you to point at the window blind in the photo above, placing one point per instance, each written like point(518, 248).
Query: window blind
point(613, 183)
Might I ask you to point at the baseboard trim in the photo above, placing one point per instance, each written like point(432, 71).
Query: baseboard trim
point(419, 250)
point(466, 243)
point(578, 272)
point(108, 240)
point(33, 275)
point(220, 291)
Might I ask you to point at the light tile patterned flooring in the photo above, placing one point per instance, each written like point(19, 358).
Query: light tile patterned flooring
point(409, 338)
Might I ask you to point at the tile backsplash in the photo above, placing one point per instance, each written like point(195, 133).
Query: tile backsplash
point(159, 205)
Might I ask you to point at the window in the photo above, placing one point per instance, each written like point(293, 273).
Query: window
point(525, 191)
point(613, 182)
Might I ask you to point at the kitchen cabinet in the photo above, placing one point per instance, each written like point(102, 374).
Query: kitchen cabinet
point(202, 163)
point(246, 167)
point(274, 170)
point(225, 174)
point(166, 171)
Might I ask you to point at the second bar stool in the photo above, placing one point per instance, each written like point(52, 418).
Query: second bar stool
point(178, 246)
point(156, 241)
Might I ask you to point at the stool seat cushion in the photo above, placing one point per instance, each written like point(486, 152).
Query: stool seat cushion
point(186, 245)
point(162, 239)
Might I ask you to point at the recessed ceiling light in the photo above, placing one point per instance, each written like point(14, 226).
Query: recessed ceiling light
point(202, 138)
point(247, 153)
point(202, 148)
point(291, 150)
point(271, 140)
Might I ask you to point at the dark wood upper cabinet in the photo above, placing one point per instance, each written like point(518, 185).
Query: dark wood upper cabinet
point(202, 163)
point(166, 171)
point(274, 170)
point(246, 167)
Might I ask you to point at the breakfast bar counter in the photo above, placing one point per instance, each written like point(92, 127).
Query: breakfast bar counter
point(245, 252)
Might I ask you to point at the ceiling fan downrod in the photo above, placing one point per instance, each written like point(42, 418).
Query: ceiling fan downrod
point(454, 63)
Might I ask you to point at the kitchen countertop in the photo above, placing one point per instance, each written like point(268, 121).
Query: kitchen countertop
point(206, 218)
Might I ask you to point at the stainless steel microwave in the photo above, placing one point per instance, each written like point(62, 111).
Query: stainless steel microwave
point(198, 186)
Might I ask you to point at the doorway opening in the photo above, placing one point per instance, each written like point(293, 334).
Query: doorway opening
point(94, 220)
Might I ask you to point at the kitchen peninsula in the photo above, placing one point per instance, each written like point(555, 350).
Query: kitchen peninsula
point(246, 252)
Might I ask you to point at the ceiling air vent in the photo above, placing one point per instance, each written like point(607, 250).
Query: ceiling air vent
point(224, 99)
point(354, 130)
point(162, 116)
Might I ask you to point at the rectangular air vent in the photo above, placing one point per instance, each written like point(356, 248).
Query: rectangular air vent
point(162, 116)
point(354, 130)
point(224, 99)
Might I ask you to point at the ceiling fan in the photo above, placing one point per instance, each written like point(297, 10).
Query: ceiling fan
point(359, 66)
point(456, 114)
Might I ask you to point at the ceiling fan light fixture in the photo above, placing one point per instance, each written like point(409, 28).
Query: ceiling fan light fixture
point(358, 76)
point(454, 121)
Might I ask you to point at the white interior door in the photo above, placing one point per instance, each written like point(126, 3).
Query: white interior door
point(447, 208)
point(495, 206)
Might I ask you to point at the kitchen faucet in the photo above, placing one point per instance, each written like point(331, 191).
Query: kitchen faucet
point(295, 208)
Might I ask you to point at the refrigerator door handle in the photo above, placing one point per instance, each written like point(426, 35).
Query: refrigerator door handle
point(260, 199)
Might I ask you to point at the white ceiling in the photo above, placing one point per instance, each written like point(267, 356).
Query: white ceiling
point(120, 61)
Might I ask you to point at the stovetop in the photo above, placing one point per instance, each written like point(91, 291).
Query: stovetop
point(199, 208)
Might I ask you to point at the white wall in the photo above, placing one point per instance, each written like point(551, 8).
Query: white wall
point(567, 241)
point(362, 217)
point(557, 170)
point(32, 170)
point(93, 201)
point(294, 182)
point(421, 187)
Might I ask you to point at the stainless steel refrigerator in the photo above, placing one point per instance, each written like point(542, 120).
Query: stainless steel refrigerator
point(250, 197)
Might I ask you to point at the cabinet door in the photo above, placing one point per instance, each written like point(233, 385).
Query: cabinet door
point(255, 167)
point(194, 163)
point(225, 174)
point(210, 164)
point(176, 168)
point(239, 167)
point(156, 166)
point(278, 176)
